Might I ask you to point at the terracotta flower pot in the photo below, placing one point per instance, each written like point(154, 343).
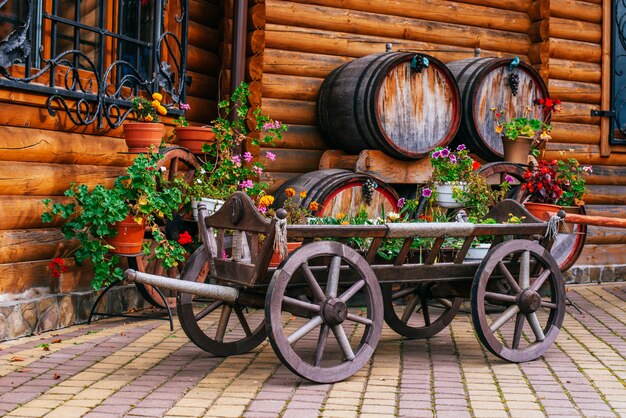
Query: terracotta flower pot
point(193, 137)
point(517, 151)
point(540, 210)
point(129, 238)
point(277, 259)
point(140, 135)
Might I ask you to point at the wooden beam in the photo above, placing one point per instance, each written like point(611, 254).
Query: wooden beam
point(605, 101)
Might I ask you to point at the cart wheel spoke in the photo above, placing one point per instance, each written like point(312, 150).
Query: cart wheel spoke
point(200, 315)
point(223, 323)
point(506, 316)
point(297, 303)
point(540, 280)
point(359, 319)
point(536, 326)
point(333, 277)
point(546, 304)
point(519, 328)
point(524, 270)
point(404, 292)
point(499, 297)
point(344, 343)
point(313, 285)
point(445, 303)
point(509, 277)
point(425, 310)
point(345, 296)
point(321, 343)
point(243, 321)
point(304, 329)
point(410, 308)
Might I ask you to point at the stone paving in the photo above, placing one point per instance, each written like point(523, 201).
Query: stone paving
point(115, 368)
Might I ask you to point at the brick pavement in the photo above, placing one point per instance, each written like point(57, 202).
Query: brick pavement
point(139, 369)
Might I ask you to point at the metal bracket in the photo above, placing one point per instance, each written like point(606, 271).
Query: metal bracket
point(603, 113)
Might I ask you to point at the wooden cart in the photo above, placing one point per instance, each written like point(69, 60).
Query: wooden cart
point(325, 303)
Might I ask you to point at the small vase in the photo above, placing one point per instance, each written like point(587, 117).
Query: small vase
point(445, 198)
point(194, 137)
point(516, 151)
point(212, 205)
point(277, 259)
point(478, 252)
point(129, 238)
point(540, 210)
point(141, 135)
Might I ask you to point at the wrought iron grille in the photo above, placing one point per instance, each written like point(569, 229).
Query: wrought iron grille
point(618, 74)
point(91, 71)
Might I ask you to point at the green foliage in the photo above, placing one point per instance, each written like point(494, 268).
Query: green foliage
point(451, 166)
point(478, 197)
point(143, 193)
point(571, 173)
point(148, 110)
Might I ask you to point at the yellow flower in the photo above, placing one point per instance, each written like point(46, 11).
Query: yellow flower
point(314, 206)
point(393, 216)
point(345, 222)
point(142, 200)
point(499, 129)
point(162, 110)
point(138, 219)
point(290, 192)
point(149, 118)
point(302, 194)
point(341, 215)
point(266, 201)
point(156, 104)
point(157, 96)
point(140, 106)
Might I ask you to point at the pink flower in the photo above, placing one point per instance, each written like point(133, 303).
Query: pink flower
point(270, 155)
point(236, 159)
point(445, 152)
point(427, 192)
point(401, 203)
point(272, 125)
point(509, 179)
point(460, 147)
point(247, 156)
point(224, 255)
point(262, 209)
point(587, 169)
point(257, 170)
point(452, 158)
point(246, 184)
point(184, 106)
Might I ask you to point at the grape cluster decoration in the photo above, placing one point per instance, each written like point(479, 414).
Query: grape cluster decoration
point(514, 82)
point(369, 185)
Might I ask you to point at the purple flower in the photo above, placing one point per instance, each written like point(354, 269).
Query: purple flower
point(224, 255)
point(445, 152)
point(401, 203)
point(246, 184)
point(452, 159)
point(436, 154)
point(509, 179)
point(427, 192)
point(270, 155)
point(236, 159)
point(247, 156)
point(460, 147)
point(184, 106)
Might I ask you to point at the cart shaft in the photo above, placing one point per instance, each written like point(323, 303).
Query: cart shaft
point(594, 220)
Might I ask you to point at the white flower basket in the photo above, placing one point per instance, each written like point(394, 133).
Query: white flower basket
point(212, 205)
point(445, 198)
point(478, 252)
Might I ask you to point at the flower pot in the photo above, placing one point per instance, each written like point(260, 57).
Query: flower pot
point(141, 135)
point(129, 238)
point(517, 151)
point(540, 210)
point(193, 137)
point(212, 205)
point(478, 252)
point(277, 259)
point(445, 198)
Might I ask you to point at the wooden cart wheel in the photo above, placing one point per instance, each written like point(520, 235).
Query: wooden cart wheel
point(530, 289)
point(423, 316)
point(179, 162)
point(333, 277)
point(232, 334)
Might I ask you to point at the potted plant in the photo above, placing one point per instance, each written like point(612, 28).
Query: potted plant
point(100, 218)
point(147, 130)
point(451, 170)
point(192, 137)
point(520, 134)
point(572, 176)
point(544, 188)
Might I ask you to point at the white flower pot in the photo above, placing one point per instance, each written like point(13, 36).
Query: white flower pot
point(478, 252)
point(445, 198)
point(212, 205)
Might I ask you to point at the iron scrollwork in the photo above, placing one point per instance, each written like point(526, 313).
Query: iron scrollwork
point(618, 75)
point(88, 92)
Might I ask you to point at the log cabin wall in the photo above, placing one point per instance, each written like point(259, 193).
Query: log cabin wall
point(306, 39)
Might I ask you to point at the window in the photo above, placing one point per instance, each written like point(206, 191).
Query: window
point(99, 52)
point(617, 134)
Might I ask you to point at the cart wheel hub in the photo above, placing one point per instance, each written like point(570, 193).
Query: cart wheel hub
point(334, 311)
point(529, 301)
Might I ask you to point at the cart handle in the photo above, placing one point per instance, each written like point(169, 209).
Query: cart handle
point(592, 220)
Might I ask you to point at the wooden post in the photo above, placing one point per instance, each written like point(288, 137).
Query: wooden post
point(605, 125)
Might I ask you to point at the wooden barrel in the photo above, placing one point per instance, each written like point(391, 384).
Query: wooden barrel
point(484, 84)
point(382, 102)
point(339, 191)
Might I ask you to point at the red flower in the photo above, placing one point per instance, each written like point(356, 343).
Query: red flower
point(475, 165)
point(57, 266)
point(549, 103)
point(185, 238)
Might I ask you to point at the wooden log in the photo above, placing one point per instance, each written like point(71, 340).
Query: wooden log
point(41, 179)
point(205, 13)
point(539, 10)
point(575, 30)
point(605, 195)
point(575, 50)
point(576, 113)
point(256, 16)
point(202, 111)
point(294, 38)
point(520, 6)
point(303, 64)
point(602, 255)
point(275, 180)
point(603, 235)
point(334, 158)
point(355, 22)
point(38, 145)
point(255, 41)
point(607, 175)
point(606, 85)
point(202, 61)
point(203, 36)
point(291, 87)
point(202, 86)
point(437, 11)
point(575, 133)
point(606, 210)
point(20, 245)
point(539, 31)
point(585, 154)
point(576, 10)
point(302, 137)
point(291, 111)
point(24, 212)
point(291, 160)
point(575, 91)
point(254, 67)
point(19, 277)
point(575, 71)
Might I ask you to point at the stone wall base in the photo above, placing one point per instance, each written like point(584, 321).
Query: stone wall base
point(49, 312)
point(596, 274)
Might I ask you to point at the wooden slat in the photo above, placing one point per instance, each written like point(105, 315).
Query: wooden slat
point(576, 10)
point(602, 255)
point(575, 50)
point(20, 245)
point(575, 91)
point(291, 160)
point(575, 70)
point(575, 133)
point(24, 212)
point(576, 30)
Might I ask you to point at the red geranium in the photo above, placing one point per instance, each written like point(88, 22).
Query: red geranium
point(542, 183)
point(57, 266)
point(185, 238)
